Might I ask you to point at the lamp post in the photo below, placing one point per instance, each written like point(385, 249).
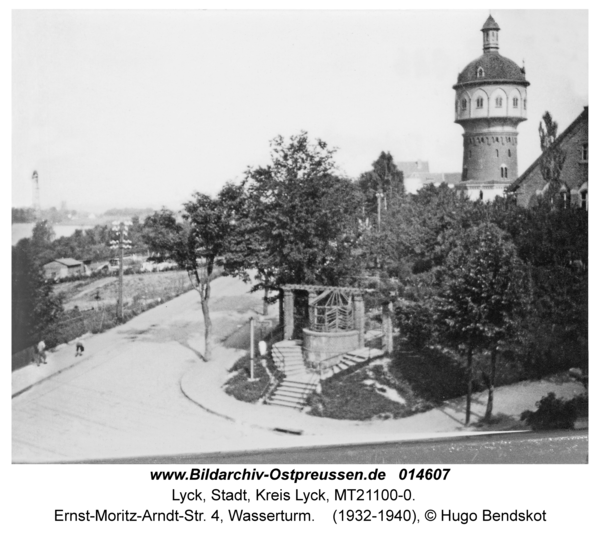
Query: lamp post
point(120, 228)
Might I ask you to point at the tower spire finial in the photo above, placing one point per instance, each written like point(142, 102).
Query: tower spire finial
point(490, 35)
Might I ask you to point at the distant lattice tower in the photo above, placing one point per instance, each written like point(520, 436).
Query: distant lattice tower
point(491, 101)
point(36, 195)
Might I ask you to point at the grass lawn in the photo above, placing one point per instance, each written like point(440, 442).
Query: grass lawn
point(140, 287)
point(404, 384)
point(372, 391)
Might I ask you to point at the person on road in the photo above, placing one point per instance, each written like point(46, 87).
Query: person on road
point(41, 353)
point(79, 349)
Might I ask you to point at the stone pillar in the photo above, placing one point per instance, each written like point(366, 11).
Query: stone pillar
point(288, 310)
point(387, 344)
point(359, 318)
point(311, 317)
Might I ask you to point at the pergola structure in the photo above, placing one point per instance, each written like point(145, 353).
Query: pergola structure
point(331, 309)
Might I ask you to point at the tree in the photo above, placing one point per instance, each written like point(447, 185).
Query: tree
point(41, 242)
point(553, 157)
point(485, 291)
point(384, 178)
point(195, 243)
point(300, 218)
point(35, 307)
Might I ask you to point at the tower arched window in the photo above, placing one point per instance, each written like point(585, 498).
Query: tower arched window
point(480, 72)
point(584, 200)
point(463, 103)
point(503, 171)
point(515, 102)
point(524, 103)
point(498, 102)
point(509, 155)
point(497, 153)
point(480, 102)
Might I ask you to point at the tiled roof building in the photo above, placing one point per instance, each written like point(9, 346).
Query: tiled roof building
point(574, 176)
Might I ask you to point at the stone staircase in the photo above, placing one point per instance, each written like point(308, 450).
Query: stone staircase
point(299, 381)
point(351, 359)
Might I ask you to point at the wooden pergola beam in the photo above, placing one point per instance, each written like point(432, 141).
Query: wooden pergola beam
point(316, 288)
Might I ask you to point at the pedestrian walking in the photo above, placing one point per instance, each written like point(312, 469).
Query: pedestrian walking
point(79, 349)
point(41, 353)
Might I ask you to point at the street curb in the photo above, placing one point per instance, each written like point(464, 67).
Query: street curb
point(43, 379)
point(207, 409)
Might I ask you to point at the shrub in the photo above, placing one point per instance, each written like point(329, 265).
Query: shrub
point(240, 387)
point(556, 413)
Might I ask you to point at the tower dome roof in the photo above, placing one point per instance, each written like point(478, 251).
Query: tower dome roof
point(492, 68)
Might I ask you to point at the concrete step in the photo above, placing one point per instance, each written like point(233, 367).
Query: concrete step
point(293, 358)
point(293, 388)
point(295, 364)
point(297, 397)
point(301, 381)
point(288, 405)
point(288, 343)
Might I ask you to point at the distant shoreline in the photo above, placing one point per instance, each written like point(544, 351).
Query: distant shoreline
point(25, 230)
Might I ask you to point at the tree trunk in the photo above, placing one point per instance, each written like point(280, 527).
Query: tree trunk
point(388, 328)
point(265, 303)
point(208, 342)
point(490, 402)
point(203, 289)
point(281, 317)
point(469, 384)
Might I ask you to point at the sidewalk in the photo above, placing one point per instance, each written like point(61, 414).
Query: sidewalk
point(58, 360)
point(203, 385)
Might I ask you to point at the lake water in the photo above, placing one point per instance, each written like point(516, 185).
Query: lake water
point(24, 230)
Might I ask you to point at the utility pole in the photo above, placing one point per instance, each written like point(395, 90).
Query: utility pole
point(120, 227)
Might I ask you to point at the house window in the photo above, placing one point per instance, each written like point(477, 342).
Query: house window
point(463, 103)
point(509, 153)
point(498, 102)
point(481, 195)
point(584, 152)
point(470, 154)
point(497, 153)
point(503, 171)
point(584, 200)
point(480, 102)
point(515, 102)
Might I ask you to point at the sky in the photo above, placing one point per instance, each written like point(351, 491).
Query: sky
point(137, 108)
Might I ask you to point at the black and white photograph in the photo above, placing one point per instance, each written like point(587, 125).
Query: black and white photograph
point(300, 236)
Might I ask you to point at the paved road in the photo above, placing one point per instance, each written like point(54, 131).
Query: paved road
point(553, 447)
point(124, 398)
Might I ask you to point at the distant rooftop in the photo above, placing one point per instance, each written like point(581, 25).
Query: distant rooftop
point(70, 262)
point(417, 166)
